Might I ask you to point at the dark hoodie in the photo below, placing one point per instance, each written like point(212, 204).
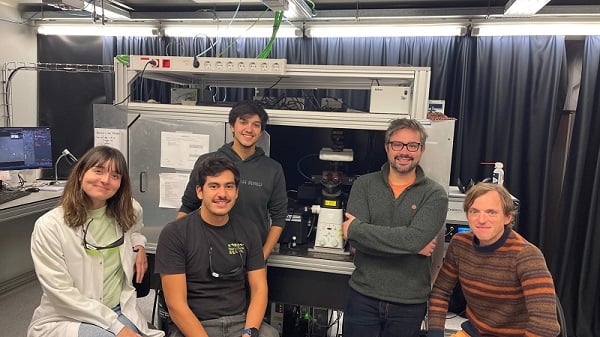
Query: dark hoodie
point(261, 191)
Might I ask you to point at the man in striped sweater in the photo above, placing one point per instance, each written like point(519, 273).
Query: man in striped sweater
point(507, 286)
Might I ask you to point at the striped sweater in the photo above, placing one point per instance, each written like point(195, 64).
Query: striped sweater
point(507, 287)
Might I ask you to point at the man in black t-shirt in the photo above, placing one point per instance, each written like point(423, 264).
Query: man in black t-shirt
point(204, 259)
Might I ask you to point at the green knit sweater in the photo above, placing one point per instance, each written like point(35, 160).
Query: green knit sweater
point(507, 287)
point(388, 233)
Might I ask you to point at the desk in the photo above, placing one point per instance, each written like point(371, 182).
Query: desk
point(17, 218)
point(309, 278)
point(297, 277)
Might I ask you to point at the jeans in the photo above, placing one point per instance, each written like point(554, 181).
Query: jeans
point(227, 326)
point(91, 330)
point(369, 317)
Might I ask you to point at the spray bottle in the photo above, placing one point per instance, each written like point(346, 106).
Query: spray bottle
point(498, 174)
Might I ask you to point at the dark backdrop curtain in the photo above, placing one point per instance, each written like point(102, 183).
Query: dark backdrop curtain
point(509, 113)
point(577, 267)
point(66, 99)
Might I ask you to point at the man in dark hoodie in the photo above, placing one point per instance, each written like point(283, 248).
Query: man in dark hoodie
point(262, 191)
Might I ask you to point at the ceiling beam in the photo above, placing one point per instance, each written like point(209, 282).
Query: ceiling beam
point(36, 13)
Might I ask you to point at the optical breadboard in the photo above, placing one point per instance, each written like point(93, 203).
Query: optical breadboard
point(219, 65)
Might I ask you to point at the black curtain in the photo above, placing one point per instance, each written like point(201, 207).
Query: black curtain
point(577, 267)
point(66, 99)
point(508, 112)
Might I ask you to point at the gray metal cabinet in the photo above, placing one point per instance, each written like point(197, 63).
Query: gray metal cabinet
point(145, 162)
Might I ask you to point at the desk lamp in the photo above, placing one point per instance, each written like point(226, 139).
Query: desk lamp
point(71, 159)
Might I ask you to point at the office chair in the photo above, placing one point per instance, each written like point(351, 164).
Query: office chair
point(562, 322)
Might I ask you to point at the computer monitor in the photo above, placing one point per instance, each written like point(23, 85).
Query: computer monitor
point(25, 148)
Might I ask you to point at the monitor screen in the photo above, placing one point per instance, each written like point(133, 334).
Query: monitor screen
point(461, 229)
point(25, 148)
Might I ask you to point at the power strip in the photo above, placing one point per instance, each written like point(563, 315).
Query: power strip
point(221, 65)
point(241, 65)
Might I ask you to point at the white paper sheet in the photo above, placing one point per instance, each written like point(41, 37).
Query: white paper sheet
point(172, 186)
point(179, 150)
point(116, 138)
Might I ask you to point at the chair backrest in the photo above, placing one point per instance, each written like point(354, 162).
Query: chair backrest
point(437, 258)
point(562, 322)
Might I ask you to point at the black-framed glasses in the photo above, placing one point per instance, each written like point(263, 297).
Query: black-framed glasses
point(411, 147)
point(235, 273)
point(90, 246)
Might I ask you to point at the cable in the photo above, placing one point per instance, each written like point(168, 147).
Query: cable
point(217, 40)
point(300, 161)
point(276, 23)
point(242, 34)
point(8, 118)
point(141, 77)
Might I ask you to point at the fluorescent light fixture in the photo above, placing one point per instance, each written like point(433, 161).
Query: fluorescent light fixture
point(292, 9)
point(386, 30)
point(524, 7)
point(536, 28)
point(96, 30)
point(298, 9)
point(230, 31)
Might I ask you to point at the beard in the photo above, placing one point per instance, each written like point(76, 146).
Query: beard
point(404, 169)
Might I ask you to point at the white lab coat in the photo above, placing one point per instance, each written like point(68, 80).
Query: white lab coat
point(72, 280)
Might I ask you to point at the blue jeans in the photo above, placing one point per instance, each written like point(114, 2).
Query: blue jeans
point(91, 330)
point(369, 317)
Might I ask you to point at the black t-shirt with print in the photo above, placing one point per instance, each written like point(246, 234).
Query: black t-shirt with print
point(183, 248)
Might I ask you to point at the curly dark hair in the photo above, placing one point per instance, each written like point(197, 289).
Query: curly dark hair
point(248, 108)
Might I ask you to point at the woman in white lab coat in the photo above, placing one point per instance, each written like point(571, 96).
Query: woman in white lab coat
point(84, 253)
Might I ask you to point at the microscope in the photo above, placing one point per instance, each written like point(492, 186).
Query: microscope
point(328, 237)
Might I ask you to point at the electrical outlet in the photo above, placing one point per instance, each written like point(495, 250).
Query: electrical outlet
point(242, 65)
point(211, 64)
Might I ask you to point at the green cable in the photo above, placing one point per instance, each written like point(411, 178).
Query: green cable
point(276, 23)
point(123, 59)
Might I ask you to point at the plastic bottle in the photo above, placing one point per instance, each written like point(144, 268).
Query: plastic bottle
point(498, 174)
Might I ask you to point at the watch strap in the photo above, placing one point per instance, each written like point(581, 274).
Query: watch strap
point(252, 332)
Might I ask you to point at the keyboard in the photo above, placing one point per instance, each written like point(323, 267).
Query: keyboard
point(10, 195)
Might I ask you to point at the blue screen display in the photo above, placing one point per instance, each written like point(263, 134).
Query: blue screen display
point(461, 229)
point(25, 148)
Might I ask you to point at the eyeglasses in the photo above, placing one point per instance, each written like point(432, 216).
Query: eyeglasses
point(90, 246)
point(235, 273)
point(411, 147)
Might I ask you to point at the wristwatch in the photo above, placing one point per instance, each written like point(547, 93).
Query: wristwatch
point(252, 332)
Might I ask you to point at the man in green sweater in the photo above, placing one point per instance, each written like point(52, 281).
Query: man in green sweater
point(393, 216)
point(505, 280)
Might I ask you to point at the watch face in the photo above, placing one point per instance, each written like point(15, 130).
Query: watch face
point(253, 332)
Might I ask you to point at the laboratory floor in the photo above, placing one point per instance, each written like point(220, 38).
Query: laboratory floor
point(17, 306)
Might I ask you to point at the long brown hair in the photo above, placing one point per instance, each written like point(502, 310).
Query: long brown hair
point(75, 201)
